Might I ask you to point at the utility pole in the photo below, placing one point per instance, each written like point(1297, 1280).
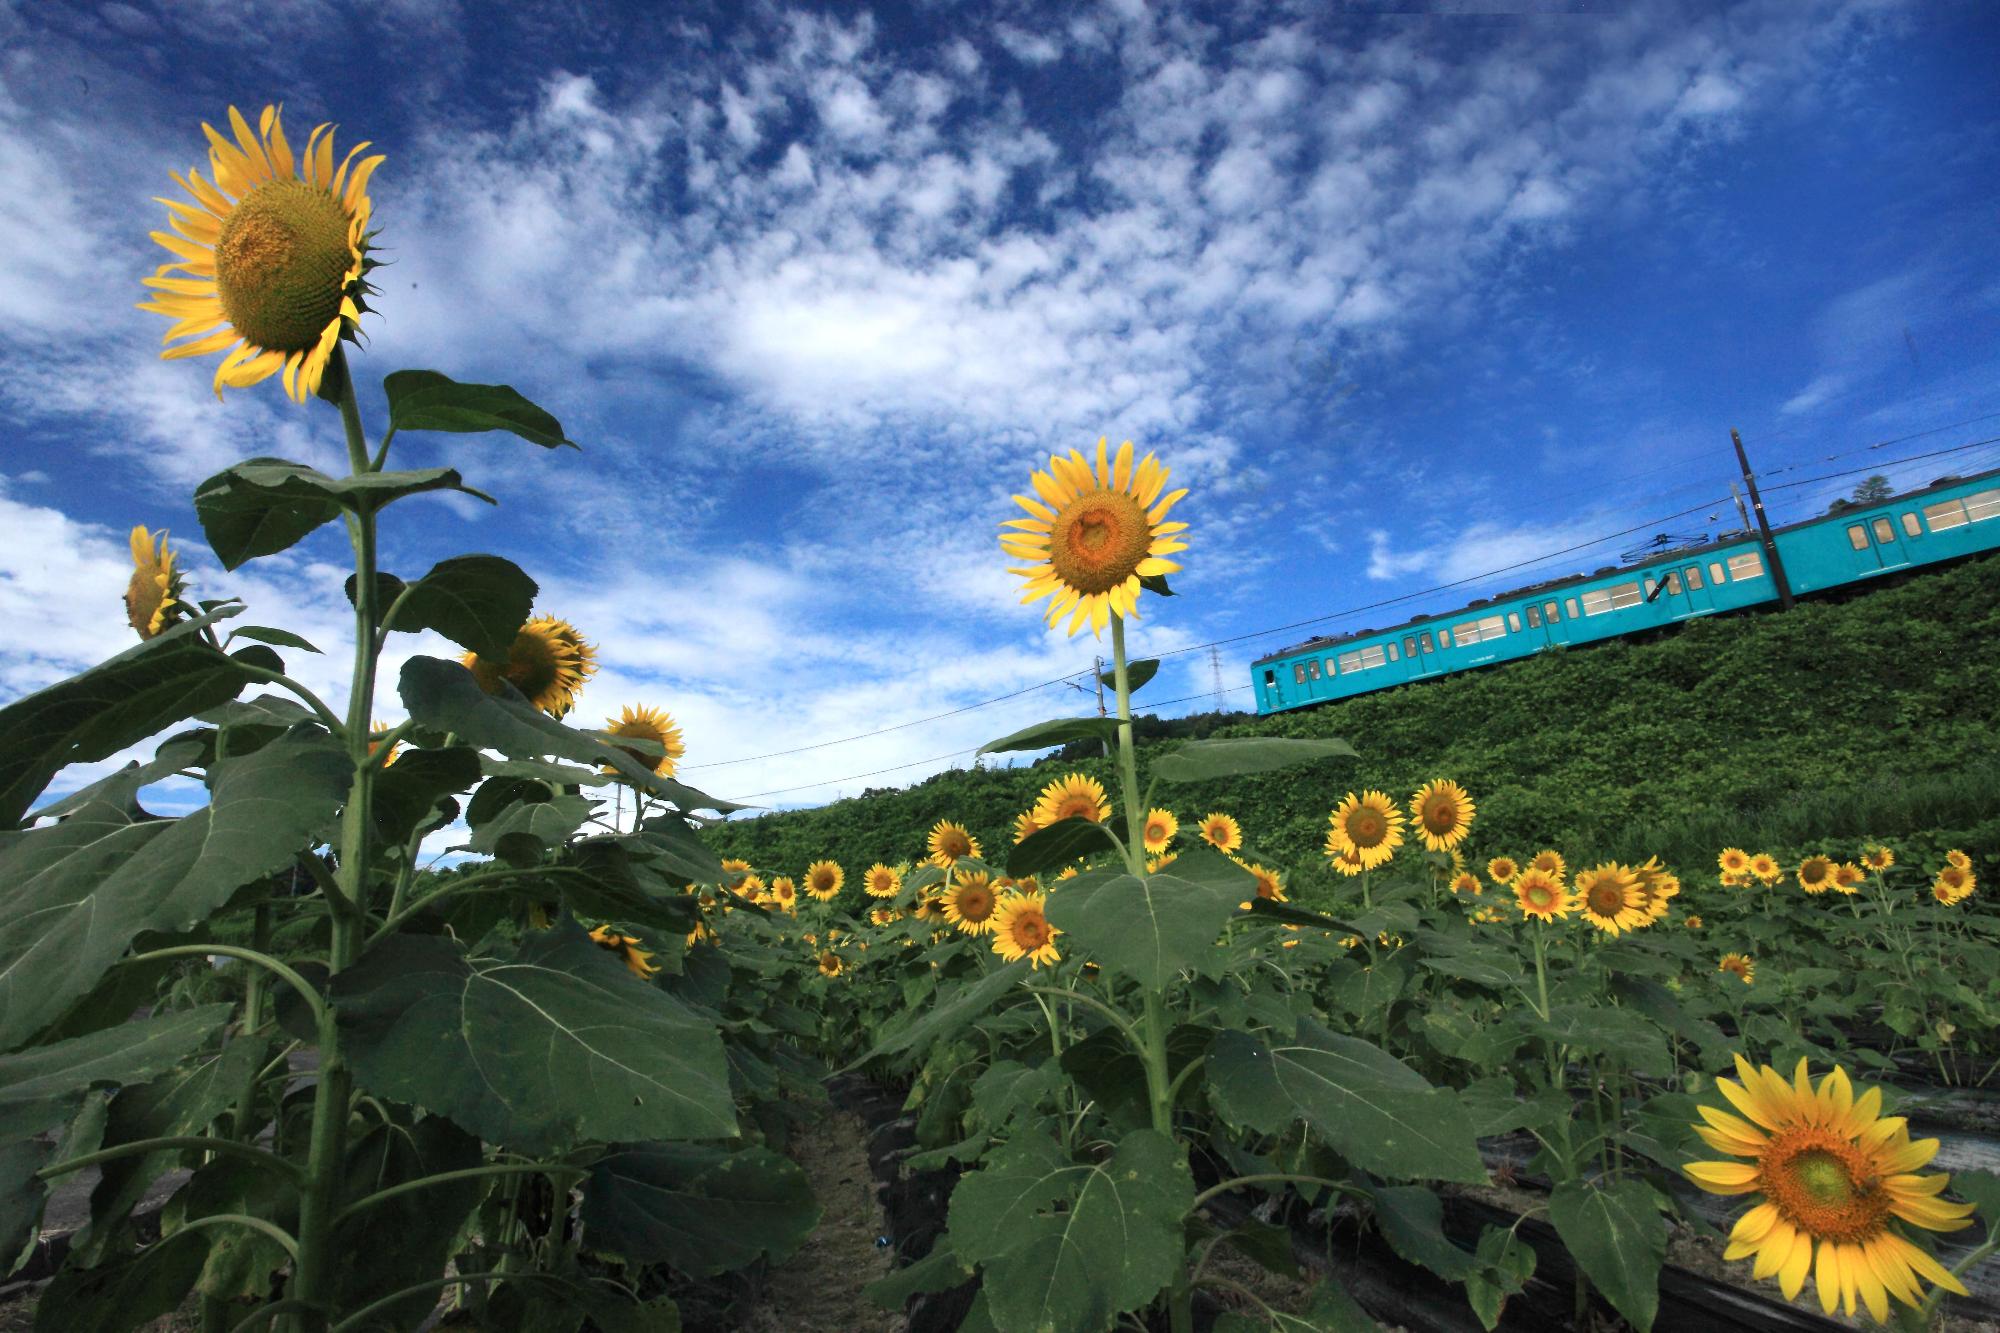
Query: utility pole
point(1763, 523)
point(1736, 494)
point(1099, 674)
point(1215, 668)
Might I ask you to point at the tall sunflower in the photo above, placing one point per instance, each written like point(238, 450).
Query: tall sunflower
point(1092, 535)
point(1161, 826)
point(1608, 895)
point(970, 903)
point(1816, 874)
point(625, 948)
point(1221, 831)
point(271, 257)
point(152, 596)
point(823, 880)
point(882, 881)
point(1740, 965)
point(648, 724)
point(1541, 895)
point(1021, 929)
point(1834, 1176)
point(1441, 812)
point(1369, 825)
point(1073, 796)
point(548, 662)
point(949, 844)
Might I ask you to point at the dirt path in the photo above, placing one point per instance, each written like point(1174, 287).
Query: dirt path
point(819, 1289)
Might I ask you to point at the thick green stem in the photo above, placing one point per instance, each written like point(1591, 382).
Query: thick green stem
point(1274, 1178)
point(263, 960)
point(173, 1143)
point(447, 1177)
point(275, 1232)
point(253, 1018)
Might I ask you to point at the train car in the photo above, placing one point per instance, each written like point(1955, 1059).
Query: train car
point(1944, 521)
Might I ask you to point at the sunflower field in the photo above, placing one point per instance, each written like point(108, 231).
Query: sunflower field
point(1154, 1082)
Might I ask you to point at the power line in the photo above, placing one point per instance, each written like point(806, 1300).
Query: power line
point(852, 777)
point(1914, 458)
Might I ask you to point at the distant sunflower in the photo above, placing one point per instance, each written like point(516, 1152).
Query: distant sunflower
point(648, 724)
point(271, 256)
point(1953, 885)
point(1816, 874)
point(1735, 879)
point(1502, 870)
point(823, 880)
point(1550, 862)
point(1154, 865)
point(830, 964)
point(1270, 885)
point(1161, 826)
point(1658, 886)
point(1541, 895)
point(626, 949)
point(548, 663)
point(734, 874)
point(1021, 929)
point(970, 903)
point(1955, 857)
point(950, 843)
point(1608, 895)
point(1091, 536)
point(1878, 858)
point(1441, 813)
point(1369, 825)
point(376, 732)
point(1467, 882)
point(1766, 868)
point(1073, 796)
point(882, 881)
point(1025, 826)
point(1740, 965)
point(1835, 1175)
point(1733, 861)
point(1221, 831)
point(152, 596)
point(1847, 877)
point(1693, 922)
point(1346, 860)
point(784, 892)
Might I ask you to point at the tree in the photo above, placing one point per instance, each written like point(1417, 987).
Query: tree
point(1873, 490)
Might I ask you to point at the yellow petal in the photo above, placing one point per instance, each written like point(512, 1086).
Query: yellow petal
point(1723, 1177)
point(1826, 1277)
point(1792, 1276)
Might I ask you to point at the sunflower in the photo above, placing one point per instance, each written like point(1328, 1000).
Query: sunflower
point(1953, 885)
point(1161, 827)
point(1346, 860)
point(882, 881)
point(970, 903)
point(1369, 825)
point(1221, 831)
point(1021, 929)
point(1733, 861)
point(1609, 898)
point(734, 873)
point(823, 880)
point(1847, 877)
point(1657, 887)
point(648, 724)
point(830, 964)
point(626, 949)
point(883, 916)
point(1740, 965)
point(1092, 536)
point(1550, 862)
point(929, 907)
point(949, 843)
point(1766, 868)
point(375, 734)
point(1025, 826)
point(1270, 885)
point(270, 264)
point(1074, 796)
point(1834, 1174)
point(1693, 922)
point(1955, 857)
point(1441, 812)
point(1735, 879)
point(784, 892)
point(1816, 874)
point(1467, 882)
point(1540, 894)
point(548, 662)
point(152, 597)
point(1503, 870)
point(1878, 858)
point(1155, 864)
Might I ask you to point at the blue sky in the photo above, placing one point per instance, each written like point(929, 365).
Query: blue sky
point(1403, 297)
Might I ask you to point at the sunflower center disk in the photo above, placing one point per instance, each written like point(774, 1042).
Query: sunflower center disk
point(1031, 933)
point(1607, 899)
point(281, 265)
point(1365, 829)
point(1098, 540)
point(1825, 1187)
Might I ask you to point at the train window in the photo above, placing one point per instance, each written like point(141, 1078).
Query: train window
point(1984, 505)
point(1694, 578)
point(1652, 586)
point(1392, 650)
point(1271, 677)
point(1330, 668)
point(1624, 595)
point(1596, 602)
point(1534, 616)
point(1312, 668)
point(1298, 673)
point(1478, 631)
point(1410, 646)
point(1424, 641)
point(1912, 528)
point(1674, 583)
point(1513, 623)
point(1747, 565)
point(1857, 536)
point(1549, 612)
point(1947, 514)
point(1570, 605)
point(1885, 531)
point(1364, 659)
point(1715, 574)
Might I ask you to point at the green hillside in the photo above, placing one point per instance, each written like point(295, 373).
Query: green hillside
point(1872, 716)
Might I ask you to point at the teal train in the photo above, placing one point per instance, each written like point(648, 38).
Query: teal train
point(1953, 518)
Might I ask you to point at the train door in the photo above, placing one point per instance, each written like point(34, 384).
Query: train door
point(1875, 544)
point(1536, 618)
point(1421, 649)
point(1694, 579)
point(1668, 591)
point(1273, 694)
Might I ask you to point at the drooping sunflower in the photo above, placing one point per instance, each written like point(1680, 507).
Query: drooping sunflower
point(152, 596)
point(1732, 861)
point(1541, 895)
point(626, 949)
point(1816, 874)
point(1878, 858)
point(1161, 827)
point(1467, 882)
point(1021, 929)
point(1221, 831)
point(970, 903)
point(950, 843)
point(1766, 868)
point(830, 964)
point(1955, 857)
point(823, 880)
point(882, 881)
point(1073, 796)
point(1025, 826)
point(648, 724)
point(1658, 886)
point(1847, 877)
point(1740, 965)
point(1953, 885)
point(1834, 1176)
point(271, 256)
point(1368, 824)
point(1608, 895)
point(548, 663)
point(1441, 812)
point(1092, 535)
point(1346, 860)
point(1503, 870)
point(1550, 862)
point(1270, 885)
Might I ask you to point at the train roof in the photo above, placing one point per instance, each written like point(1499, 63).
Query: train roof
point(1672, 556)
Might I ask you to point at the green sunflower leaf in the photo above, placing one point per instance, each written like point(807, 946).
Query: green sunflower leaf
point(700, 1209)
point(41, 1085)
point(1150, 928)
point(1236, 756)
point(479, 602)
point(265, 505)
point(127, 1292)
point(1066, 1246)
point(1057, 731)
point(1136, 674)
point(552, 1043)
point(410, 789)
point(81, 890)
point(1616, 1234)
point(281, 638)
point(967, 1005)
point(428, 400)
point(1058, 845)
